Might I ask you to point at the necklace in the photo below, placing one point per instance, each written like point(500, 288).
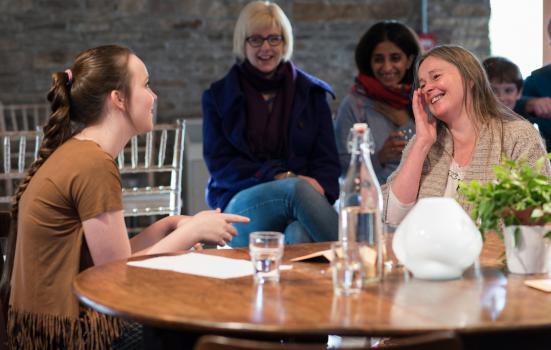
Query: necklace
point(455, 175)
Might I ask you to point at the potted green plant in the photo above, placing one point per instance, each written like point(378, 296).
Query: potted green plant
point(519, 200)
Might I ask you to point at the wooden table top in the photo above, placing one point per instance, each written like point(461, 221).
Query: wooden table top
point(486, 299)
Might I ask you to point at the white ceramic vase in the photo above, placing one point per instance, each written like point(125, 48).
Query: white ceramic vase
point(437, 240)
point(531, 253)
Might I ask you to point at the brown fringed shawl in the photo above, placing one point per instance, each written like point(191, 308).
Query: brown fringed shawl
point(91, 330)
point(78, 182)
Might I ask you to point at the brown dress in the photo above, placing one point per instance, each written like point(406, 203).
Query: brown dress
point(77, 182)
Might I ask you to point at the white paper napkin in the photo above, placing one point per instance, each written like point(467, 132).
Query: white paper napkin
point(199, 264)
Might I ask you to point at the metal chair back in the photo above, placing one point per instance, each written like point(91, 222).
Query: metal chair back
point(151, 171)
point(23, 117)
point(150, 166)
point(19, 150)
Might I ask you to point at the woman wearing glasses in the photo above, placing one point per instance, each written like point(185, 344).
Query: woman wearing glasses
point(268, 137)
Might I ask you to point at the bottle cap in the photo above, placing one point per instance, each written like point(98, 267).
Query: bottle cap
point(360, 127)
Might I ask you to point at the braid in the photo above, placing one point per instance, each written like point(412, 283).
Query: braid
point(56, 131)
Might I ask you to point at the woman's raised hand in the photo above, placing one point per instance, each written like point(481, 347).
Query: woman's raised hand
point(212, 226)
point(425, 127)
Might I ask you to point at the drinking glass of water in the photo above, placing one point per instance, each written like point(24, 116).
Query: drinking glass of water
point(346, 267)
point(266, 251)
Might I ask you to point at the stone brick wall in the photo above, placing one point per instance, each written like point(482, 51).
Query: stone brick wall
point(187, 43)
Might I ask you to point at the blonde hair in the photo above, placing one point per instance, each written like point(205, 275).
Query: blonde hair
point(261, 14)
point(485, 106)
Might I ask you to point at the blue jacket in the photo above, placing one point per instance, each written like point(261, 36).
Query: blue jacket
point(538, 84)
point(311, 151)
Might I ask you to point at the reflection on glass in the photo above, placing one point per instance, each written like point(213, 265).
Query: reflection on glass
point(480, 296)
point(267, 304)
point(494, 297)
point(344, 307)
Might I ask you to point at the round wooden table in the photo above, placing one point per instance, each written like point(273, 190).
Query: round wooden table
point(486, 300)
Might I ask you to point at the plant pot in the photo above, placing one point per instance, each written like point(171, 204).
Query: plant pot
point(531, 253)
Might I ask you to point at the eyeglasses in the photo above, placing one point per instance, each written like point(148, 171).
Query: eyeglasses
point(258, 40)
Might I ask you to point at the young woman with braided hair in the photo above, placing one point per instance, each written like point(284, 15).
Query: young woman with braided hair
point(68, 212)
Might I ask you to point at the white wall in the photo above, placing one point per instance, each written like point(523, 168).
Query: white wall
point(516, 32)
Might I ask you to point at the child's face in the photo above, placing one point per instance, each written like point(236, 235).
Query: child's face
point(507, 93)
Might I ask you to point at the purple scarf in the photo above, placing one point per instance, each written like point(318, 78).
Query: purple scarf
point(268, 131)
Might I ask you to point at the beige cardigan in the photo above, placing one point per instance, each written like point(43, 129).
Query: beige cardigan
point(512, 136)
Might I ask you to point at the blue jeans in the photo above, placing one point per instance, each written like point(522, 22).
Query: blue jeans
point(291, 206)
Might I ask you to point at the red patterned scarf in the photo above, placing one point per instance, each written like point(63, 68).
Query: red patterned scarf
point(373, 88)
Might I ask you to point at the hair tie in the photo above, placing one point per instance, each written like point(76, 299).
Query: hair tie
point(69, 76)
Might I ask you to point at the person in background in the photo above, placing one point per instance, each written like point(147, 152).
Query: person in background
point(68, 211)
point(380, 95)
point(535, 103)
point(268, 139)
point(462, 132)
point(505, 79)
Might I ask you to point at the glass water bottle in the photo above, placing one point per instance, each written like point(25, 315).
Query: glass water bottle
point(360, 203)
